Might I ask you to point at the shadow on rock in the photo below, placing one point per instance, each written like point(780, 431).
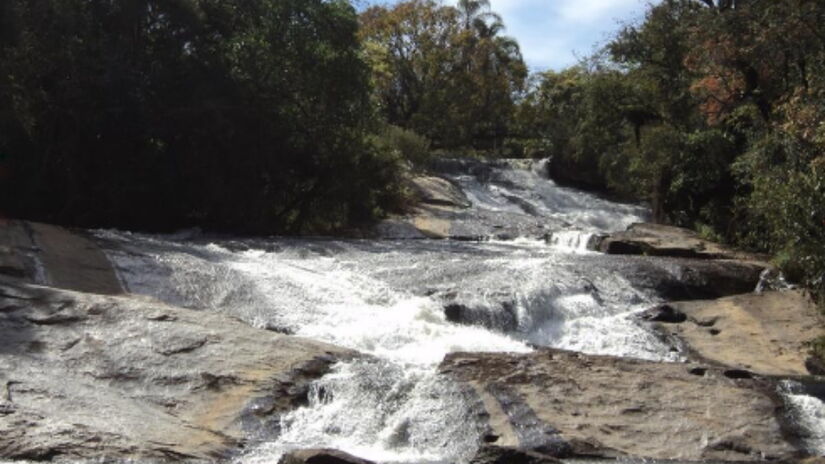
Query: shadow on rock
point(17, 331)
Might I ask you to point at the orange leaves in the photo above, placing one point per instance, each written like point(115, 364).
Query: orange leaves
point(718, 95)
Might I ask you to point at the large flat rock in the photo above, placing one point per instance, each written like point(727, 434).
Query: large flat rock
point(764, 333)
point(662, 240)
point(53, 255)
point(17, 250)
point(690, 278)
point(569, 404)
point(433, 190)
point(72, 261)
point(87, 376)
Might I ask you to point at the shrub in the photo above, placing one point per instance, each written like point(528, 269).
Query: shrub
point(405, 144)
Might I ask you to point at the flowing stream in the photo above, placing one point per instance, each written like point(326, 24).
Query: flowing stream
point(407, 303)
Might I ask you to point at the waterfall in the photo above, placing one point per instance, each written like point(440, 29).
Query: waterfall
point(406, 304)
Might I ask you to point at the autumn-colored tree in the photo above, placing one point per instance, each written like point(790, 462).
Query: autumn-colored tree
point(713, 110)
point(762, 78)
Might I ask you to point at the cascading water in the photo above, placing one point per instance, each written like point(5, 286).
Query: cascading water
point(406, 304)
point(808, 412)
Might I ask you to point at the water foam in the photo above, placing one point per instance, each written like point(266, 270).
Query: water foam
point(527, 192)
point(389, 299)
point(808, 412)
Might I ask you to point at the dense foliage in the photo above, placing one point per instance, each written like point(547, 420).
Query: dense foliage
point(714, 111)
point(444, 72)
point(300, 116)
point(147, 114)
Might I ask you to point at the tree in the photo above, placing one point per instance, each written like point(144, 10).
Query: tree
point(444, 72)
point(713, 111)
point(238, 115)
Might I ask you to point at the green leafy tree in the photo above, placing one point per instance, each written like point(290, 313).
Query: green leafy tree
point(446, 73)
point(239, 115)
point(713, 111)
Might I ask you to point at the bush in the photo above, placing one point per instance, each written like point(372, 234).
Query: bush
point(786, 206)
point(817, 349)
point(405, 144)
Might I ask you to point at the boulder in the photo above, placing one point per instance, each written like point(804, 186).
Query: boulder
point(764, 333)
point(661, 240)
point(321, 456)
point(438, 191)
point(93, 377)
point(691, 279)
point(815, 365)
point(490, 454)
point(574, 405)
point(505, 320)
point(665, 313)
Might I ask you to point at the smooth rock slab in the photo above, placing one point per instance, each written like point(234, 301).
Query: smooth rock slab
point(53, 255)
point(73, 261)
point(438, 191)
point(676, 279)
point(605, 407)
point(764, 333)
point(101, 377)
point(662, 240)
point(16, 250)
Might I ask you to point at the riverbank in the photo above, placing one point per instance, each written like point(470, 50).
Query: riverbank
point(88, 376)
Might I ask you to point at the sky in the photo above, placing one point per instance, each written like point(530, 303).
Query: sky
point(553, 34)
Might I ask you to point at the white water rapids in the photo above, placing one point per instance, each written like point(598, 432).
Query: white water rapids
point(387, 299)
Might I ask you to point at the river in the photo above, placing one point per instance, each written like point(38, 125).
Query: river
point(407, 303)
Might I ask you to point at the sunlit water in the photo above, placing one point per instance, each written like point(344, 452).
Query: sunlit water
point(523, 190)
point(809, 414)
point(387, 299)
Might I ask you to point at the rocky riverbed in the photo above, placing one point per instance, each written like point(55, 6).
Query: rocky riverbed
point(92, 376)
point(571, 331)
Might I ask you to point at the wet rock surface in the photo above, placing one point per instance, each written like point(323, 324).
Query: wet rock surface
point(662, 240)
point(16, 250)
point(471, 199)
point(664, 313)
point(606, 407)
point(88, 376)
point(765, 333)
point(691, 279)
point(72, 261)
point(432, 190)
point(321, 456)
point(42, 253)
point(503, 455)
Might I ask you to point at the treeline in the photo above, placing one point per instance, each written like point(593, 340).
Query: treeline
point(250, 116)
point(446, 73)
point(712, 110)
point(264, 116)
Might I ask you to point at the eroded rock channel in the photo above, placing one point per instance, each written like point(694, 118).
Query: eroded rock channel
point(541, 326)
